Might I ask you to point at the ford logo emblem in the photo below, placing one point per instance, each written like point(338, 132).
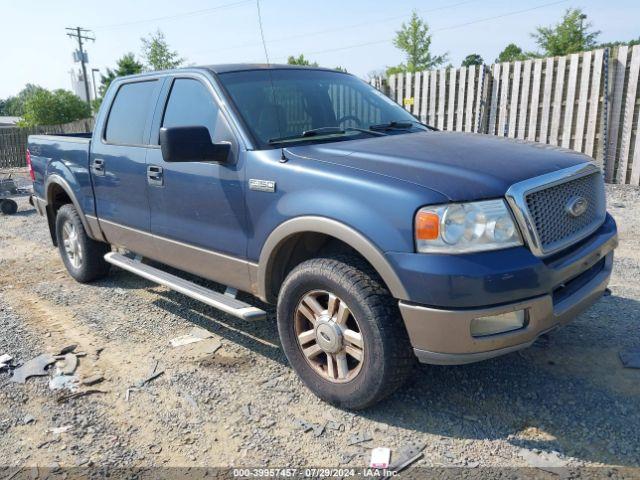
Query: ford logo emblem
point(576, 206)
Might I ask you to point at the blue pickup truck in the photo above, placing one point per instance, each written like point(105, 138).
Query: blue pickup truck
point(382, 241)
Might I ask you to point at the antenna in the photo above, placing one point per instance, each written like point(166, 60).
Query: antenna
point(283, 157)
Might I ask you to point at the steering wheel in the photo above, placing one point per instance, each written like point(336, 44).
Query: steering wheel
point(350, 117)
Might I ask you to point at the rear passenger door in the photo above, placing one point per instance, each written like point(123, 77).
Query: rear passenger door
point(118, 165)
point(197, 208)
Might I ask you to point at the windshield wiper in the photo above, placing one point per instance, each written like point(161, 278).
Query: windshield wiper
point(314, 132)
point(399, 125)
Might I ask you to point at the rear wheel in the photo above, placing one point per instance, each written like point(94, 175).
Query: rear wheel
point(342, 332)
point(8, 207)
point(82, 256)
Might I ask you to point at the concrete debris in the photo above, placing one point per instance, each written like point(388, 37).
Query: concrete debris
point(28, 419)
point(359, 437)
point(195, 335)
point(70, 364)
point(630, 358)
point(33, 368)
point(406, 456)
point(4, 360)
point(64, 382)
point(318, 430)
point(380, 457)
point(349, 457)
point(92, 379)
point(547, 461)
point(155, 449)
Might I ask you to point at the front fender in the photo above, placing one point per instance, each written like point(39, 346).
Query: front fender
point(332, 228)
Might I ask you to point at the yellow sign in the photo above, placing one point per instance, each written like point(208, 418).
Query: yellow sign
point(408, 101)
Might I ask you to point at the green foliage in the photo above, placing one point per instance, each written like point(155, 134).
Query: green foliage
point(629, 43)
point(511, 53)
point(472, 59)
point(14, 106)
point(126, 65)
point(157, 55)
point(341, 69)
point(414, 40)
point(44, 107)
point(572, 34)
point(300, 60)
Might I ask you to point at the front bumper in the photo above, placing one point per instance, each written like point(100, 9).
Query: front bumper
point(443, 335)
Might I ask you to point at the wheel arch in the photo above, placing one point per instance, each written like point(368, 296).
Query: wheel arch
point(59, 192)
point(268, 278)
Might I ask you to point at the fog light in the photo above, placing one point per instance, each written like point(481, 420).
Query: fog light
point(505, 322)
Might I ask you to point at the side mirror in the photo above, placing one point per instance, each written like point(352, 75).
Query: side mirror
point(191, 144)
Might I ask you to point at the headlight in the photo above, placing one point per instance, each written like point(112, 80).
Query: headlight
point(465, 227)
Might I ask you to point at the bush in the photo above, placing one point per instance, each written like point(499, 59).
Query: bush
point(44, 107)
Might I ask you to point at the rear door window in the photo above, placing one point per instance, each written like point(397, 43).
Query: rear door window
point(129, 113)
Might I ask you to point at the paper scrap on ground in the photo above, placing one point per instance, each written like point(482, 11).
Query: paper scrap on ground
point(380, 457)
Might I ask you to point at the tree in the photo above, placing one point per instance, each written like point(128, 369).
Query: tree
point(472, 59)
point(511, 53)
point(126, 65)
point(572, 34)
point(14, 106)
point(44, 107)
point(300, 60)
point(629, 43)
point(414, 39)
point(157, 55)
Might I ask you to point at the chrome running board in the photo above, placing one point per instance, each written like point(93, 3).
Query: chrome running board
point(226, 303)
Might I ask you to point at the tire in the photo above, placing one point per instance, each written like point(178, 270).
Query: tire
point(87, 263)
point(387, 357)
point(8, 207)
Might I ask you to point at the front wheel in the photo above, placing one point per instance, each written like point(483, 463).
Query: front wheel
point(83, 257)
point(342, 332)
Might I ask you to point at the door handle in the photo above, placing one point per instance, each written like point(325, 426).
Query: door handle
point(155, 176)
point(98, 166)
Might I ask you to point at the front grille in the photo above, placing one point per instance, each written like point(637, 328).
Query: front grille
point(547, 207)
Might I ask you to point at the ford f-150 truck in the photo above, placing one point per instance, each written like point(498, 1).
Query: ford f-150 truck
point(381, 240)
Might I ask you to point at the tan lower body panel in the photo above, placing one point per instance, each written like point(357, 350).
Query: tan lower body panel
point(207, 264)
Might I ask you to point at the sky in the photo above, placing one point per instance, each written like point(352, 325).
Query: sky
point(354, 34)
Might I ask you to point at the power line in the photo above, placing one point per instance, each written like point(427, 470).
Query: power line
point(179, 15)
point(334, 29)
point(451, 27)
point(79, 34)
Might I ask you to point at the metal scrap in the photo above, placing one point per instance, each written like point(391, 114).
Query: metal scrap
point(70, 364)
point(33, 368)
point(630, 358)
point(406, 456)
point(92, 379)
point(333, 425)
point(304, 425)
point(153, 374)
point(359, 437)
point(83, 393)
point(4, 360)
point(68, 349)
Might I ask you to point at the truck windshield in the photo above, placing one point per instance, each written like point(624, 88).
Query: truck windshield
point(297, 106)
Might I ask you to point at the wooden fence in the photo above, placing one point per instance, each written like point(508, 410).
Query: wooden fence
point(588, 102)
point(13, 141)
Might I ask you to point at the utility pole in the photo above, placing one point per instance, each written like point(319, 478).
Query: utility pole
point(80, 34)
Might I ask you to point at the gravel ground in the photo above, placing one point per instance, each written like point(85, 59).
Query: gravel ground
point(566, 401)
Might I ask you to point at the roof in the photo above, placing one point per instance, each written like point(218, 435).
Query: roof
point(242, 67)
point(9, 121)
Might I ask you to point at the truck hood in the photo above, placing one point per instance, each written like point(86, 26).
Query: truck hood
point(461, 166)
